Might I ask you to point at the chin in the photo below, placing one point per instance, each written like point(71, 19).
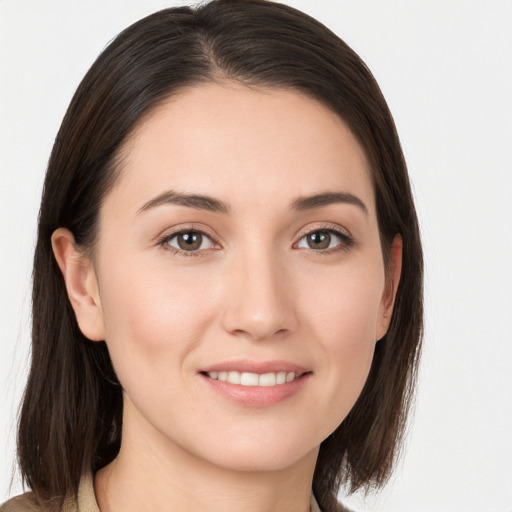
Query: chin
point(260, 461)
point(258, 454)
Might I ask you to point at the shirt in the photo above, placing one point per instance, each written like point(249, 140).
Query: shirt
point(86, 501)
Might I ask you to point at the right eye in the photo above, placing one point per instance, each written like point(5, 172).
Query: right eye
point(189, 241)
point(325, 240)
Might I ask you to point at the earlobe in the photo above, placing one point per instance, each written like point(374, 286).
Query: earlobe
point(393, 273)
point(81, 284)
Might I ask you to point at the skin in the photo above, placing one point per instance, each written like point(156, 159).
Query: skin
point(255, 290)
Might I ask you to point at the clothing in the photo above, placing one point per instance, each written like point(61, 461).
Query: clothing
point(86, 501)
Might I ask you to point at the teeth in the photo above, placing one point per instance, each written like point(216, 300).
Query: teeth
point(249, 379)
point(234, 377)
point(267, 379)
point(253, 379)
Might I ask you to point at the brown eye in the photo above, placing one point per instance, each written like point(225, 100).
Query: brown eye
point(322, 240)
point(318, 240)
point(190, 241)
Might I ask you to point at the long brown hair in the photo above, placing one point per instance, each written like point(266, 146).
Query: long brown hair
point(71, 417)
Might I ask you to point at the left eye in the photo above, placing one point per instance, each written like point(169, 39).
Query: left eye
point(190, 241)
point(320, 240)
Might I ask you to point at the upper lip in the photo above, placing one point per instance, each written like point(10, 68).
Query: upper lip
point(260, 367)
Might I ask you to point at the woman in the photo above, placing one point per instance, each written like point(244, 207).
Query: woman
point(227, 290)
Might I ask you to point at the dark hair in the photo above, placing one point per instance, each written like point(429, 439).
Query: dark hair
point(71, 415)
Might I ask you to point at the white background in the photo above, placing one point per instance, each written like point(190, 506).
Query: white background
point(445, 67)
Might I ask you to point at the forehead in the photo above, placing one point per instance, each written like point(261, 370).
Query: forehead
point(245, 144)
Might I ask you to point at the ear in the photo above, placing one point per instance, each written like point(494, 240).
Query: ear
point(393, 273)
point(81, 284)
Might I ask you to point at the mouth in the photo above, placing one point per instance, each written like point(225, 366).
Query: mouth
point(254, 379)
point(256, 384)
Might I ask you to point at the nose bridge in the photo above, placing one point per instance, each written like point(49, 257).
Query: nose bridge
point(260, 303)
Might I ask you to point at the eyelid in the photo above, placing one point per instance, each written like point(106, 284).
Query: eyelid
point(335, 229)
point(324, 226)
point(162, 240)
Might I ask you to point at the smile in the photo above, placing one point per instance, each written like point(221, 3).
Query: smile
point(254, 379)
point(255, 383)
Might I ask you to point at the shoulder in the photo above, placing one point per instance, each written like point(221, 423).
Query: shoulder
point(332, 505)
point(23, 503)
point(84, 502)
point(28, 503)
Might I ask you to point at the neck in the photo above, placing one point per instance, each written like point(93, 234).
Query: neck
point(150, 473)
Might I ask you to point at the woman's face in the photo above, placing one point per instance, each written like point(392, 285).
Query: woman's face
point(238, 247)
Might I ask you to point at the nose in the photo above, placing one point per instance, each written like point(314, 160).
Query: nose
point(260, 299)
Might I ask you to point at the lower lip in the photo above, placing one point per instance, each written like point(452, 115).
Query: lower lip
point(256, 396)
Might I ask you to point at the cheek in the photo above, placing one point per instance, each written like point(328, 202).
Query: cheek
point(153, 315)
point(345, 303)
point(343, 318)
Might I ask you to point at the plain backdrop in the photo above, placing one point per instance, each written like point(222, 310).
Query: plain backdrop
point(445, 67)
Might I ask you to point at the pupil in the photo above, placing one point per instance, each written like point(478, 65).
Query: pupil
point(319, 240)
point(189, 241)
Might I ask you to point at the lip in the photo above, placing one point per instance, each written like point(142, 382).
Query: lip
point(244, 365)
point(256, 396)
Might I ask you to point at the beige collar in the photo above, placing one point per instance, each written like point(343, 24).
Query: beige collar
point(87, 499)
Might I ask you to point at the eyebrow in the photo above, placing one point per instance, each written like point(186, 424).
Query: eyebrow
point(196, 201)
point(203, 202)
point(326, 199)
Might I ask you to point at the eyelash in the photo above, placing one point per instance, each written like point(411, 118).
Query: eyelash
point(164, 242)
point(346, 241)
